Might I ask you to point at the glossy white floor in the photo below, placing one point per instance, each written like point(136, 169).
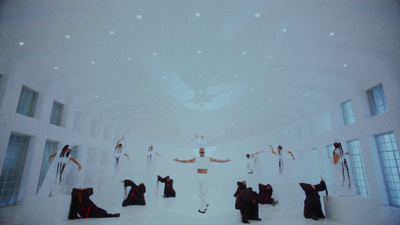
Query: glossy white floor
point(182, 210)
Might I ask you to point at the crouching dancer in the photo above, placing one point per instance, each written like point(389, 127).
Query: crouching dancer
point(135, 195)
point(168, 188)
point(312, 204)
point(83, 207)
point(246, 201)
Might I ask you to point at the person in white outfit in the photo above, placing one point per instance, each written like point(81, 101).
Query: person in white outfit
point(202, 165)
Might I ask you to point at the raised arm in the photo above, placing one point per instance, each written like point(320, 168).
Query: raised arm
point(52, 156)
point(291, 154)
point(158, 154)
point(256, 153)
point(272, 149)
point(219, 161)
point(185, 161)
point(76, 162)
point(127, 156)
point(116, 146)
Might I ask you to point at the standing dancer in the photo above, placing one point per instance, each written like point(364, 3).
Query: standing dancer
point(202, 164)
point(281, 165)
point(251, 162)
point(151, 158)
point(338, 156)
point(117, 155)
point(56, 175)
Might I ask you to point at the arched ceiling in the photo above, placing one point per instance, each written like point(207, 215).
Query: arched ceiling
point(225, 69)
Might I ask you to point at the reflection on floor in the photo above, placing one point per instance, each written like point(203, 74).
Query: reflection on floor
point(178, 211)
point(182, 210)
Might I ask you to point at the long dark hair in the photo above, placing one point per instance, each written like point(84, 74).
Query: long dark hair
point(62, 154)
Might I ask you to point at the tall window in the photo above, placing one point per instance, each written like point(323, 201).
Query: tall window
point(347, 111)
point(390, 162)
point(357, 167)
point(49, 149)
point(13, 166)
point(56, 113)
point(27, 102)
point(377, 100)
point(329, 151)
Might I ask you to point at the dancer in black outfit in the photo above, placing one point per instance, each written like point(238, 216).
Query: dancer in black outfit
point(265, 194)
point(168, 188)
point(247, 203)
point(135, 195)
point(241, 187)
point(83, 207)
point(312, 203)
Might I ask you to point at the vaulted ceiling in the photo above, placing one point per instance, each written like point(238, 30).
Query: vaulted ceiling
point(225, 69)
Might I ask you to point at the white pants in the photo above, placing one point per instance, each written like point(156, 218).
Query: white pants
point(203, 180)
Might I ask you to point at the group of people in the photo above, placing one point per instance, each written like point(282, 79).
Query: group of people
point(254, 166)
point(83, 207)
point(247, 200)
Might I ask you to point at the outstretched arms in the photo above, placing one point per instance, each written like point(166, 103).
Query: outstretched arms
point(219, 161)
point(272, 149)
point(52, 156)
point(127, 156)
point(185, 161)
point(116, 146)
point(291, 154)
point(256, 153)
point(76, 162)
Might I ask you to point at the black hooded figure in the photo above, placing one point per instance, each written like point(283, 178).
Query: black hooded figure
point(135, 195)
point(83, 207)
point(265, 194)
point(246, 201)
point(312, 203)
point(241, 186)
point(168, 188)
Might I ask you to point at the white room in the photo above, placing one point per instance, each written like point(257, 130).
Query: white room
point(233, 77)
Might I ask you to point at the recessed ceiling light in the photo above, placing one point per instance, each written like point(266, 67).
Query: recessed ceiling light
point(236, 76)
point(96, 96)
point(269, 57)
point(164, 77)
point(93, 62)
point(149, 89)
point(139, 17)
point(284, 30)
point(199, 52)
point(67, 36)
point(56, 68)
point(257, 15)
point(133, 102)
point(200, 76)
point(244, 53)
point(331, 34)
point(129, 58)
point(154, 53)
point(306, 95)
point(112, 32)
point(344, 65)
point(21, 43)
point(109, 106)
point(197, 14)
point(122, 92)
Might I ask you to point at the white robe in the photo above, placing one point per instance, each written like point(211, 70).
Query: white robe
point(54, 182)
